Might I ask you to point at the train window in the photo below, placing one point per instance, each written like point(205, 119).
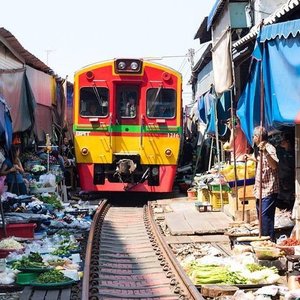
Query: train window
point(94, 102)
point(127, 103)
point(161, 103)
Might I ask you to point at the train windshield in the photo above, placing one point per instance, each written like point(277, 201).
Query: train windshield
point(94, 101)
point(161, 103)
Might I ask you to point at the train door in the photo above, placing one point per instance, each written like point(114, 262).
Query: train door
point(127, 103)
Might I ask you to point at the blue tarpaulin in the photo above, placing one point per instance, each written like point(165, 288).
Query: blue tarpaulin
point(213, 12)
point(221, 112)
point(278, 45)
point(248, 109)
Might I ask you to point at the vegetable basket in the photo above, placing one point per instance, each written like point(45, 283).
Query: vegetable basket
point(267, 253)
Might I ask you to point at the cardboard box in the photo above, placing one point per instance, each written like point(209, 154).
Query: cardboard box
point(240, 191)
point(235, 209)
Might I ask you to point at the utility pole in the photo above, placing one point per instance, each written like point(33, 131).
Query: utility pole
point(191, 55)
point(48, 51)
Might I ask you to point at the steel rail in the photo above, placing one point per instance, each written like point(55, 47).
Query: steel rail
point(179, 282)
point(187, 289)
point(89, 247)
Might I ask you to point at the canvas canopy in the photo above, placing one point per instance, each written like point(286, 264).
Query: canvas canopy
point(276, 55)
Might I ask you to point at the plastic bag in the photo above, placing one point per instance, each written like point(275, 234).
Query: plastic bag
point(48, 180)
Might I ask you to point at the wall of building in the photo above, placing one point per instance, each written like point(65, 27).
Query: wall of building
point(7, 60)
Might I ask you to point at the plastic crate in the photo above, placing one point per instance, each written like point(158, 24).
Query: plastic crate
point(216, 187)
point(203, 195)
point(215, 199)
point(24, 230)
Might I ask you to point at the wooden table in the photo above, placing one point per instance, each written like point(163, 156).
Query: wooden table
point(30, 293)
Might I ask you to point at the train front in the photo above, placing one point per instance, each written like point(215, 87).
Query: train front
point(127, 126)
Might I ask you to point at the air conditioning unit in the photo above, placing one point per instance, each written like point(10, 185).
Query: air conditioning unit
point(239, 15)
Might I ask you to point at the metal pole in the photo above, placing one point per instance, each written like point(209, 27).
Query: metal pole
point(218, 149)
point(210, 153)
point(261, 152)
point(245, 176)
point(233, 116)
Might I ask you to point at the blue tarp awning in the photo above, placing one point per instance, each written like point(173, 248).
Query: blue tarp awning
point(278, 47)
point(280, 30)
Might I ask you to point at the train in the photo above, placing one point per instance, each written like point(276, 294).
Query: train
point(127, 126)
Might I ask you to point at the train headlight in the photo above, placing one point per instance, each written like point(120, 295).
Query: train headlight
point(154, 171)
point(121, 65)
point(168, 152)
point(128, 65)
point(134, 65)
point(84, 151)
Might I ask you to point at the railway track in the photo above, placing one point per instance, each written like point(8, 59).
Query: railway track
point(126, 257)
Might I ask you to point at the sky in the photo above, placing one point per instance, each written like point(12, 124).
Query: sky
point(70, 34)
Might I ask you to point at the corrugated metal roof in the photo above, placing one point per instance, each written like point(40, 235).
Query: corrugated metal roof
point(288, 7)
point(29, 58)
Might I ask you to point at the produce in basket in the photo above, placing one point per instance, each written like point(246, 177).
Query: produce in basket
point(288, 245)
point(11, 243)
point(267, 253)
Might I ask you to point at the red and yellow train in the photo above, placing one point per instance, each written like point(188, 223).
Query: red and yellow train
point(127, 125)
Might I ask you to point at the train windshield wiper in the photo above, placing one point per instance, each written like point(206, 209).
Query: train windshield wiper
point(97, 95)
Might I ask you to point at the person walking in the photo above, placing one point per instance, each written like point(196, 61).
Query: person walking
point(267, 180)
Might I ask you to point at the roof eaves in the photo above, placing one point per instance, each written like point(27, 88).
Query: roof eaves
point(217, 8)
point(202, 33)
point(19, 51)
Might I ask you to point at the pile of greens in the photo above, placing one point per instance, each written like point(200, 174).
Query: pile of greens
point(52, 276)
point(212, 274)
point(33, 260)
point(52, 200)
point(65, 248)
point(221, 274)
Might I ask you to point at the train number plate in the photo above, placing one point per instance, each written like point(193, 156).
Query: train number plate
point(173, 135)
point(82, 133)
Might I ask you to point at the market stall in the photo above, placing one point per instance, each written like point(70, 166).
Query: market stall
point(253, 269)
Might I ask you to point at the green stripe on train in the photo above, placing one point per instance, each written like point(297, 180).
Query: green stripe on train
point(130, 129)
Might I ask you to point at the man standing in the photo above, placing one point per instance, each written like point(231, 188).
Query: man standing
point(269, 180)
point(130, 110)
